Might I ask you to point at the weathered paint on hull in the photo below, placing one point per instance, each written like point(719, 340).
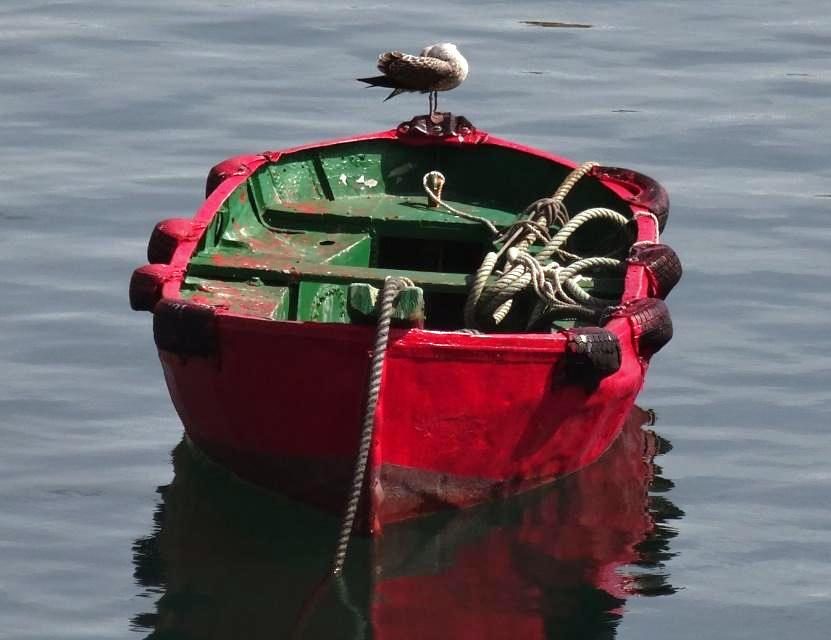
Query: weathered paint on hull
point(540, 565)
point(461, 418)
point(555, 563)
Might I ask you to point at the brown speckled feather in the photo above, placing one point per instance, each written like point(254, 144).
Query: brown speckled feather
point(413, 73)
point(439, 67)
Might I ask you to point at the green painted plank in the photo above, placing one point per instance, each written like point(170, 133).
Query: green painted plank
point(241, 268)
point(380, 209)
point(322, 302)
point(251, 297)
point(363, 304)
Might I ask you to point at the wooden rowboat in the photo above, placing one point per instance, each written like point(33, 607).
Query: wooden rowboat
point(265, 306)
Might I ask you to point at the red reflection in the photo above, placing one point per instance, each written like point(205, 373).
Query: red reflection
point(234, 562)
point(545, 561)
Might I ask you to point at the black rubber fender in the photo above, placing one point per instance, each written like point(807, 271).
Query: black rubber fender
point(650, 321)
point(146, 285)
point(592, 353)
point(185, 328)
point(662, 265)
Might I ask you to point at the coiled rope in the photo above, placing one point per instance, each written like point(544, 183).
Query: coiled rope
point(490, 303)
point(555, 282)
point(382, 333)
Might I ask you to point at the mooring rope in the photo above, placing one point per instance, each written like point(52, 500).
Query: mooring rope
point(556, 286)
point(382, 333)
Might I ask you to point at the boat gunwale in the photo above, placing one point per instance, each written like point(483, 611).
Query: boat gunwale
point(405, 342)
point(244, 166)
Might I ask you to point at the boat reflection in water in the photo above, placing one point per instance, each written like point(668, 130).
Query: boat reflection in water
point(230, 561)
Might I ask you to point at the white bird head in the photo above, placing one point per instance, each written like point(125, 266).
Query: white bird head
point(450, 53)
point(440, 50)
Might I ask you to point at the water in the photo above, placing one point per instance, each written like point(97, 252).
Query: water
point(112, 112)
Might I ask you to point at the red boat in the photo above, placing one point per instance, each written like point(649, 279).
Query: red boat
point(228, 561)
point(524, 294)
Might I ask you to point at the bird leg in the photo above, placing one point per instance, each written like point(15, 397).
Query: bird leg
point(430, 103)
point(435, 101)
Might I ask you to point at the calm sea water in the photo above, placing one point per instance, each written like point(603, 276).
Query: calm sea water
point(111, 113)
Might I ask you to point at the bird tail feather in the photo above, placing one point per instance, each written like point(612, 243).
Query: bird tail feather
point(378, 81)
point(394, 93)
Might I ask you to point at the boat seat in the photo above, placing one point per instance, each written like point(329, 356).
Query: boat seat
point(284, 271)
point(387, 214)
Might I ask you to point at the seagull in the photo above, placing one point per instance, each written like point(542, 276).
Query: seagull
point(439, 67)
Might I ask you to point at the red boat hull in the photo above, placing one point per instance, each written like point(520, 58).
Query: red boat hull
point(558, 562)
point(232, 562)
point(461, 418)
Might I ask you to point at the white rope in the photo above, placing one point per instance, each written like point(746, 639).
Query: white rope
point(461, 214)
point(556, 283)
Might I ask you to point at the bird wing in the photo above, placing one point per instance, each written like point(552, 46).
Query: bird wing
point(413, 73)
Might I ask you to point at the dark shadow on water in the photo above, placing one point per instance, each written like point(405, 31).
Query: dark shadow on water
point(225, 560)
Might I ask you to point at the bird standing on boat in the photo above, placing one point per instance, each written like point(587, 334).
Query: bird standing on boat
point(439, 67)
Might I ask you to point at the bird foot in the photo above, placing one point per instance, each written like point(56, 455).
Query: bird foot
point(438, 124)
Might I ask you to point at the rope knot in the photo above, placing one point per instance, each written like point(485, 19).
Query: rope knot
point(551, 210)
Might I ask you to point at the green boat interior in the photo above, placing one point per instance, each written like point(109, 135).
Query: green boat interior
point(304, 237)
